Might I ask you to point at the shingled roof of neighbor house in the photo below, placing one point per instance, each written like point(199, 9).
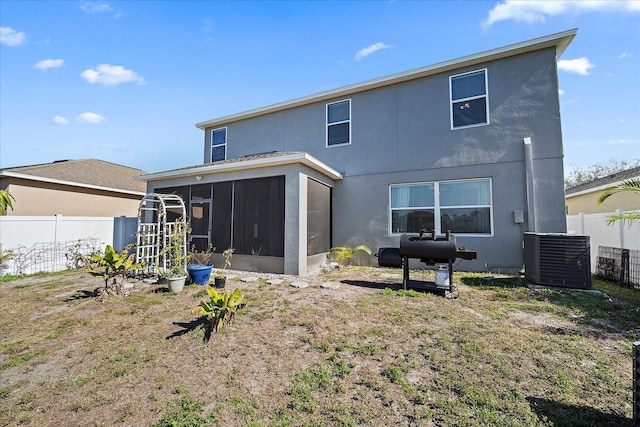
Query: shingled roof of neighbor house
point(89, 173)
point(604, 182)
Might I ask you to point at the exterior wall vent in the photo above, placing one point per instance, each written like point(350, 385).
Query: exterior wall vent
point(562, 260)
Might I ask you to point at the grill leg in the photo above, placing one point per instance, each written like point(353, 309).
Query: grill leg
point(405, 272)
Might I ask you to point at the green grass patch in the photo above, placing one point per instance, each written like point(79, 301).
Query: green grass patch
point(187, 412)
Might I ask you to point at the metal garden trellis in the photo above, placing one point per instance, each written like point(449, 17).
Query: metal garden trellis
point(154, 230)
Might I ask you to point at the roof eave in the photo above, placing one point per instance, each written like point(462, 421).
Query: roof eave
point(288, 159)
point(69, 183)
point(559, 40)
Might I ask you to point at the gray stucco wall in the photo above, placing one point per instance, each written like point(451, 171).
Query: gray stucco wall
point(402, 133)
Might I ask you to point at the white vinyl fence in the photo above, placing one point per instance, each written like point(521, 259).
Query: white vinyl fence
point(616, 235)
point(50, 243)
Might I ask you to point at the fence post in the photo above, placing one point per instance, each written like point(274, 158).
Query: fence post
point(57, 228)
point(620, 225)
point(119, 230)
point(624, 268)
point(636, 383)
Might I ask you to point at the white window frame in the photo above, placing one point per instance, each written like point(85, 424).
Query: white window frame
point(336, 123)
point(437, 207)
point(472, 98)
point(226, 137)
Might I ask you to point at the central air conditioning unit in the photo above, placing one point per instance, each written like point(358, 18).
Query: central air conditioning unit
point(557, 260)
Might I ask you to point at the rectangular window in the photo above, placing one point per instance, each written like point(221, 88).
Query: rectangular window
point(339, 123)
point(469, 100)
point(464, 207)
point(218, 144)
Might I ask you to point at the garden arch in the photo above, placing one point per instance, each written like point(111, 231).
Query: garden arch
point(158, 216)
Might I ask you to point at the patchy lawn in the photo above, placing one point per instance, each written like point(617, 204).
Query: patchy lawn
point(363, 354)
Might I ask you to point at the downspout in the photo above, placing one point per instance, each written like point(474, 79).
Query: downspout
point(528, 161)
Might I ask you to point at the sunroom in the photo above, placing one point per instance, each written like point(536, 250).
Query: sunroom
point(273, 209)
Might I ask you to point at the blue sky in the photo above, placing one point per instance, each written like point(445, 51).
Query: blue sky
point(126, 81)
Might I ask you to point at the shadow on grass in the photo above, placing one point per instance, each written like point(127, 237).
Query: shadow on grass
point(84, 294)
point(414, 286)
point(494, 282)
point(562, 414)
point(372, 285)
point(201, 323)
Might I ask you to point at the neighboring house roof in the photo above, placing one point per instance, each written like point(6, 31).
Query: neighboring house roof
point(88, 173)
point(558, 40)
point(276, 158)
point(602, 183)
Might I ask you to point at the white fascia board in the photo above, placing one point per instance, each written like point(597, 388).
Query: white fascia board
point(241, 165)
point(559, 40)
point(69, 183)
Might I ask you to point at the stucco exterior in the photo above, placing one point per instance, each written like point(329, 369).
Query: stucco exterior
point(88, 187)
point(401, 133)
point(51, 199)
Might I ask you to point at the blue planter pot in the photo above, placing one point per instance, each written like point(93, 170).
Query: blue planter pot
point(199, 273)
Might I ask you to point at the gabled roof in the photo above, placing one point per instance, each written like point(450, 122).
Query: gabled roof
point(88, 173)
point(602, 183)
point(275, 158)
point(558, 40)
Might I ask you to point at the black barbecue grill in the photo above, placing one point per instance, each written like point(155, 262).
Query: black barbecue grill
point(431, 249)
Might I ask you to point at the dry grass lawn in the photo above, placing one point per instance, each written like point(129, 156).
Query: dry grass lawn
point(363, 354)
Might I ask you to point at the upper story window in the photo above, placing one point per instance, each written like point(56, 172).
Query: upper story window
point(339, 123)
point(464, 207)
point(469, 99)
point(218, 144)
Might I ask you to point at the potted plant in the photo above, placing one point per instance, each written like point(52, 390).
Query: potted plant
point(176, 257)
point(199, 267)
point(221, 280)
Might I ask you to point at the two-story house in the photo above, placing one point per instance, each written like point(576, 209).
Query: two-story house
point(472, 145)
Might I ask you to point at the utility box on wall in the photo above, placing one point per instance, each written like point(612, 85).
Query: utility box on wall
point(557, 260)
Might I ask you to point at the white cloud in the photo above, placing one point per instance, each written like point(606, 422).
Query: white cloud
point(92, 7)
point(362, 53)
point(111, 75)
point(624, 55)
point(578, 65)
point(560, 92)
point(531, 11)
point(621, 141)
point(95, 7)
point(90, 118)
point(11, 37)
point(59, 120)
point(49, 63)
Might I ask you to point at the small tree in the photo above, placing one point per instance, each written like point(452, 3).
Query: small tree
point(632, 185)
point(583, 175)
point(113, 267)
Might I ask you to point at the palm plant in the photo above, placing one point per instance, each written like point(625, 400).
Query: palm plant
point(6, 201)
point(221, 307)
point(632, 185)
point(344, 254)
